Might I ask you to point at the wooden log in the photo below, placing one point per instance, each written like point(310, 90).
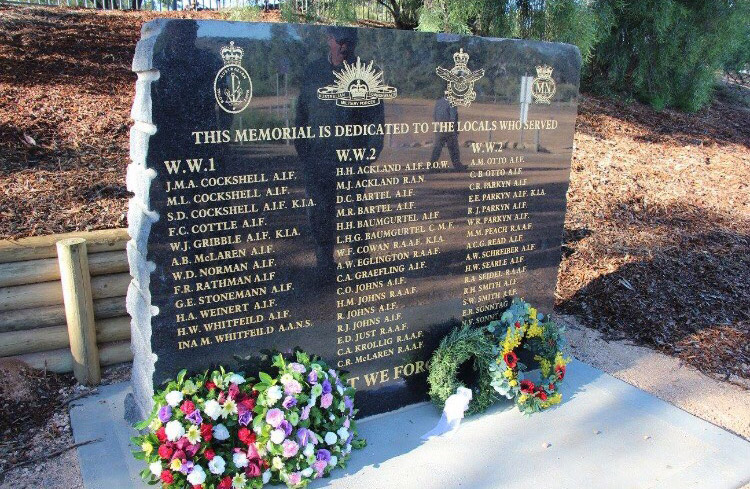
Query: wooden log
point(43, 317)
point(79, 309)
point(50, 293)
point(56, 337)
point(61, 361)
point(44, 246)
point(47, 269)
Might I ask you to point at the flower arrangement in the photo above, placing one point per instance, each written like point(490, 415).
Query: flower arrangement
point(304, 420)
point(218, 430)
point(522, 327)
point(461, 346)
point(198, 435)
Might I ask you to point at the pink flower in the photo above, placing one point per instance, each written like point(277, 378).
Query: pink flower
point(290, 448)
point(326, 400)
point(292, 387)
point(274, 417)
point(295, 478)
point(319, 467)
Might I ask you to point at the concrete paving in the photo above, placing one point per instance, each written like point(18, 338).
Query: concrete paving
point(606, 434)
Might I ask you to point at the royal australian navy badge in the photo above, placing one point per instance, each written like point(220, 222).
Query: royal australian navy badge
point(233, 87)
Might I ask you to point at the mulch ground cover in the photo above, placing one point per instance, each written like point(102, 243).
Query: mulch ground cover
point(657, 240)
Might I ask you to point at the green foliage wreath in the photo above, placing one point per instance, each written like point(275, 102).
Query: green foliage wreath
point(459, 347)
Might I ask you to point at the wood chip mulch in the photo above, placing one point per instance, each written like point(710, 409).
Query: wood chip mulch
point(657, 240)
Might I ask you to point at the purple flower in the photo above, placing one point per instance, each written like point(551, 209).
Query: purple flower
point(297, 367)
point(303, 436)
point(326, 387)
point(292, 387)
point(349, 403)
point(192, 449)
point(326, 400)
point(289, 401)
point(323, 455)
point(349, 440)
point(286, 426)
point(305, 412)
point(274, 417)
point(165, 413)
point(312, 377)
point(186, 467)
point(195, 417)
point(245, 418)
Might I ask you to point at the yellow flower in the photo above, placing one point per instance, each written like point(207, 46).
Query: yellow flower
point(513, 382)
point(147, 447)
point(534, 330)
point(155, 425)
point(175, 464)
point(193, 434)
point(508, 373)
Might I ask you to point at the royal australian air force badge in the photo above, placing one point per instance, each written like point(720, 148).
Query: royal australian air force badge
point(233, 87)
point(460, 80)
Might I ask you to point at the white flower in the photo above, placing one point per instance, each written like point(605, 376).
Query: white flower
point(239, 481)
point(309, 450)
point(237, 379)
point(220, 432)
point(331, 438)
point(230, 407)
point(174, 398)
point(331, 417)
point(334, 460)
point(340, 389)
point(212, 409)
point(347, 449)
point(193, 434)
point(273, 394)
point(277, 463)
point(278, 436)
point(266, 476)
point(343, 433)
point(174, 430)
point(217, 465)
point(307, 472)
point(239, 459)
point(197, 476)
point(155, 468)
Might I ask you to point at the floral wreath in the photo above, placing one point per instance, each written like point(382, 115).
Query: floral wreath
point(521, 327)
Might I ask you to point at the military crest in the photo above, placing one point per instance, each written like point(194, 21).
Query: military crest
point(543, 87)
point(233, 87)
point(357, 85)
point(460, 80)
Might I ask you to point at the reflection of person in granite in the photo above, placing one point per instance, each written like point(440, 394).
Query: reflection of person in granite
point(445, 112)
point(318, 156)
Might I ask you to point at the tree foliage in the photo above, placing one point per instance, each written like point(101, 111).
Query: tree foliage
point(667, 53)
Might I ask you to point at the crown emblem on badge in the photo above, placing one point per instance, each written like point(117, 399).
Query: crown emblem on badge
point(544, 71)
point(357, 85)
point(461, 59)
point(232, 55)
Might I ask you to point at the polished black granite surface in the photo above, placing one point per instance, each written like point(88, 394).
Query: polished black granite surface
point(352, 192)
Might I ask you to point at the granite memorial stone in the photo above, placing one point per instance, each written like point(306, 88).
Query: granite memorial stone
point(352, 192)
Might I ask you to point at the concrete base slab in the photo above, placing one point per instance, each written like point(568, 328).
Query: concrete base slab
point(606, 434)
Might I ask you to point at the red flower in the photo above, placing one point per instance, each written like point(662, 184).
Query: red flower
point(222, 397)
point(233, 391)
point(165, 452)
point(246, 436)
point(166, 476)
point(527, 387)
point(551, 387)
point(253, 468)
point(518, 324)
point(542, 395)
point(226, 483)
point(210, 385)
point(209, 454)
point(560, 371)
point(511, 359)
point(249, 403)
point(161, 435)
point(207, 432)
point(187, 407)
point(198, 486)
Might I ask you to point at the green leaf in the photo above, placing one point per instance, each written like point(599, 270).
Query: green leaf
point(265, 378)
point(181, 376)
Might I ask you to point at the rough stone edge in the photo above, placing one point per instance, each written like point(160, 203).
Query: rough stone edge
point(140, 218)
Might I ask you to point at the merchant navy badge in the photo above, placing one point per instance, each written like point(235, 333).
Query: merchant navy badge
point(357, 85)
point(233, 88)
point(543, 87)
point(460, 80)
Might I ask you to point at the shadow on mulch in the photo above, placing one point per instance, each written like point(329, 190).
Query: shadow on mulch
point(686, 294)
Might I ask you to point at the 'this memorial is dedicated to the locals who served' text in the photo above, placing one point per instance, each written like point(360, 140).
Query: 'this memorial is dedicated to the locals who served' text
point(356, 193)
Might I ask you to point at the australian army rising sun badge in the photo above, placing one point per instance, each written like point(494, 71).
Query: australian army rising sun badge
point(357, 85)
point(233, 88)
point(460, 80)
